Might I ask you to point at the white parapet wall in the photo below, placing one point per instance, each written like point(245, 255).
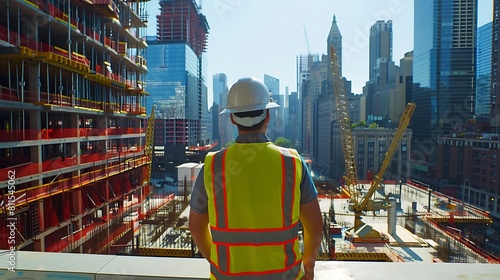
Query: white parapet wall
point(45, 266)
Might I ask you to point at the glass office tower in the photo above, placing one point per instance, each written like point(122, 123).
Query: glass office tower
point(443, 69)
point(483, 87)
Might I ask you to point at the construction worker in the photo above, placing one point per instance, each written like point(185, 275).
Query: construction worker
point(248, 199)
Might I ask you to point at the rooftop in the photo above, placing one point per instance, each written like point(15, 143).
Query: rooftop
point(36, 265)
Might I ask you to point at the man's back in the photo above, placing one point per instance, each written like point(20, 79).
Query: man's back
point(254, 209)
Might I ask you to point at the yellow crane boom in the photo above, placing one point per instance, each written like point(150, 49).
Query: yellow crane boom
point(403, 124)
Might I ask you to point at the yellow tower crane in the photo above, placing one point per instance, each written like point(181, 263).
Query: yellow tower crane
point(359, 202)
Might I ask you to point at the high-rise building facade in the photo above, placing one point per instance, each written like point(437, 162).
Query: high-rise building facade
point(292, 127)
point(220, 89)
point(382, 74)
point(324, 129)
point(483, 68)
point(495, 73)
point(304, 64)
point(444, 60)
point(276, 127)
point(370, 148)
point(470, 160)
point(401, 91)
point(335, 39)
point(177, 83)
point(227, 131)
point(72, 115)
point(380, 46)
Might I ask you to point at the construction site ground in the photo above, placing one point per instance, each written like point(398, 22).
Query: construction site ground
point(403, 245)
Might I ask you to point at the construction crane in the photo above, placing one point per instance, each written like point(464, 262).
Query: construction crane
point(360, 202)
point(343, 122)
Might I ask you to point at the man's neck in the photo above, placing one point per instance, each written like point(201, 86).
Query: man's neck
point(261, 131)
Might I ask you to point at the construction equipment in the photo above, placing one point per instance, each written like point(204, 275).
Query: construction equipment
point(360, 202)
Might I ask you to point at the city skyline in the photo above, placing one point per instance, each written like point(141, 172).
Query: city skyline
point(234, 35)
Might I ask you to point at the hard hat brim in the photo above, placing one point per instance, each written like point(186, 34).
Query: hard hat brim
point(249, 108)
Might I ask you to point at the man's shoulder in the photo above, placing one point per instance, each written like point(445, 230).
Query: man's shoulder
point(290, 152)
point(211, 154)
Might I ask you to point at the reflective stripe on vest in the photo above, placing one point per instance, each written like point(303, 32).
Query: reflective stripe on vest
point(225, 237)
point(218, 185)
point(290, 274)
point(254, 237)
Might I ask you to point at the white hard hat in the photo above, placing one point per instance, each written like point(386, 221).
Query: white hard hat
point(248, 94)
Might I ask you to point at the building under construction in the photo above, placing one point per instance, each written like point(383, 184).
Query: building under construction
point(72, 150)
point(177, 87)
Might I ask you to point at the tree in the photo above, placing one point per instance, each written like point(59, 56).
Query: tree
point(373, 125)
point(283, 142)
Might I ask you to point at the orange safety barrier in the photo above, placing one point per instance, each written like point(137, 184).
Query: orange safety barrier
point(4, 33)
point(54, 133)
point(60, 51)
point(22, 134)
point(108, 3)
point(9, 94)
point(80, 58)
point(80, 102)
point(122, 47)
point(31, 169)
point(456, 236)
point(93, 132)
point(38, 192)
point(107, 41)
point(470, 208)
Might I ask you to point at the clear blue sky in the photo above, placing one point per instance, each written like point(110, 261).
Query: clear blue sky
point(257, 37)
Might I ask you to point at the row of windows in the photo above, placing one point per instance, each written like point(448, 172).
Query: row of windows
point(484, 155)
point(482, 200)
point(484, 163)
point(458, 143)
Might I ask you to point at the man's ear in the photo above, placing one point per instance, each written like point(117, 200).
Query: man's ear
point(268, 116)
point(231, 115)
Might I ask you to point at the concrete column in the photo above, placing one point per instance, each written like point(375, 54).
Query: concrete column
point(33, 82)
point(77, 202)
point(34, 133)
point(41, 215)
point(392, 216)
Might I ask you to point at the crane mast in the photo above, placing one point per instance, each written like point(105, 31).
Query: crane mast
point(351, 176)
point(359, 202)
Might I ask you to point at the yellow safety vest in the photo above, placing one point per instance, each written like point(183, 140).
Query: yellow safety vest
point(253, 194)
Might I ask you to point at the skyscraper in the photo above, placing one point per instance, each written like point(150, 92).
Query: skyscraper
point(277, 126)
point(380, 47)
point(313, 74)
point(443, 68)
point(495, 73)
point(382, 74)
point(220, 90)
point(483, 68)
point(335, 39)
point(177, 82)
point(227, 131)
